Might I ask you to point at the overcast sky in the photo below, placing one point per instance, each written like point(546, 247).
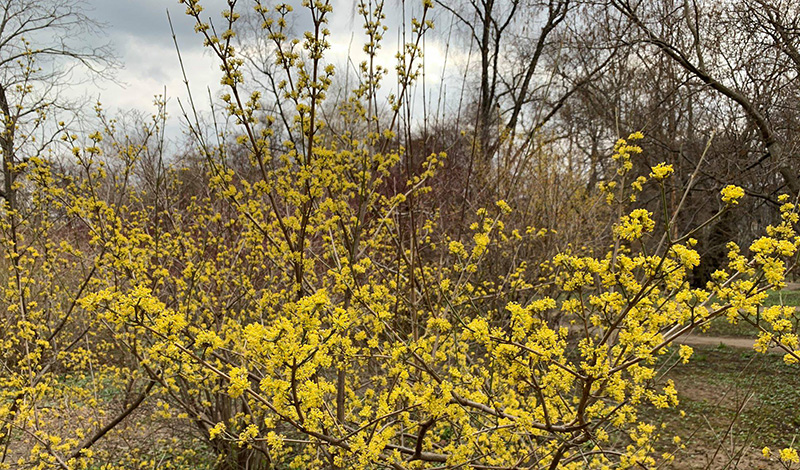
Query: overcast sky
point(140, 34)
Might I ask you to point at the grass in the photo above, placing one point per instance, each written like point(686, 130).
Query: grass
point(721, 326)
point(735, 402)
point(144, 439)
point(783, 297)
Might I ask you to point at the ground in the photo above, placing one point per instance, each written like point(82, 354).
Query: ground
point(736, 401)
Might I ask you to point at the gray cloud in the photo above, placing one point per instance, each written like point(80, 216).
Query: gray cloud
point(147, 19)
point(140, 34)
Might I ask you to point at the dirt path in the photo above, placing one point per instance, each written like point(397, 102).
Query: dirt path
point(739, 343)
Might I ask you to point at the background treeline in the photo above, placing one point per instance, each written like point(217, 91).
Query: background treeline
point(571, 77)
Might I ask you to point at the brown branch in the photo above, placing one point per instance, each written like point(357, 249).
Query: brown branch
point(113, 423)
point(423, 429)
point(768, 135)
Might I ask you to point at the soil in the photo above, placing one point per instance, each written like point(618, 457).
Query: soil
point(726, 394)
point(732, 342)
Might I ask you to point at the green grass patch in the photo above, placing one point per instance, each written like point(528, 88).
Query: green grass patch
point(722, 327)
point(735, 402)
point(783, 297)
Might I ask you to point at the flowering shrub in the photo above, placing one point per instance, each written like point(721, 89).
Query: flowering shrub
point(309, 317)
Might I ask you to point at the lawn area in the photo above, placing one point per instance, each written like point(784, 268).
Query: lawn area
point(735, 402)
point(789, 296)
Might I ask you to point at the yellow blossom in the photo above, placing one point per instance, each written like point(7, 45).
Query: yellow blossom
point(731, 194)
point(789, 455)
point(661, 171)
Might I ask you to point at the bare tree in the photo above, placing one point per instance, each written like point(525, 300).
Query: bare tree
point(501, 30)
point(38, 57)
point(690, 34)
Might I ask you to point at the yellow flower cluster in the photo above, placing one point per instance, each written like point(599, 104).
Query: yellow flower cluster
point(731, 194)
point(624, 151)
point(634, 225)
point(789, 455)
point(661, 171)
